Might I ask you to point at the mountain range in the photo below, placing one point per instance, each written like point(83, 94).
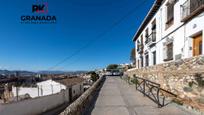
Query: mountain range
point(30, 73)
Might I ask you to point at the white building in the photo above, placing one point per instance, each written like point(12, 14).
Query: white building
point(43, 88)
point(172, 29)
point(49, 87)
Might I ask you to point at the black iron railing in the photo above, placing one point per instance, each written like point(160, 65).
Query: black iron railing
point(151, 38)
point(191, 8)
point(140, 48)
point(147, 41)
point(152, 90)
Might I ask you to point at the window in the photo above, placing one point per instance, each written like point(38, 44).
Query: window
point(191, 8)
point(169, 51)
point(169, 14)
point(140, 49)
point(147, 60)
point(154, 57)
point(142, 61)
point(138, 42)
point(146, 36)
point(142, 39)
point(154, 25)
point(153, 31)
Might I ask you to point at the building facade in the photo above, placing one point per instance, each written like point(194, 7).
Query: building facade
point(172, 30)
point(43, 88)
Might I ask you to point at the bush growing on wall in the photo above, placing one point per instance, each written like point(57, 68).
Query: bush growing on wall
point(199, 80)
point(94, 76)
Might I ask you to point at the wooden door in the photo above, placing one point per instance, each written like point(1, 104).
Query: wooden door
point(197, 45)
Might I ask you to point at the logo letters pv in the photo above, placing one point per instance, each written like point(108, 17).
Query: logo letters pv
point(38, 8)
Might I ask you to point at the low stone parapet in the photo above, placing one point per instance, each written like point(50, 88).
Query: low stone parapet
point(78, 106)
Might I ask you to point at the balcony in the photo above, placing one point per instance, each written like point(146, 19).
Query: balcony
point(140, 49)
point(191, 8)
point(151, 41)
point(146, 40)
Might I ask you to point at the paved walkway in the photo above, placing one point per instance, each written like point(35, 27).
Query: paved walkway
point(118, 98)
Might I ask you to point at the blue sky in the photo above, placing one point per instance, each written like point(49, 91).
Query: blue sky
point(40, 46)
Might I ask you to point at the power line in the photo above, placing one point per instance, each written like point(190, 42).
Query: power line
point(75, 61)
point(99, 36)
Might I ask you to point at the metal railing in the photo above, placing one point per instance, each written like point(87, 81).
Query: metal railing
point(153, 91)
point(147, 40)
point(151, 38)
point(190, 7)
point(140, 48)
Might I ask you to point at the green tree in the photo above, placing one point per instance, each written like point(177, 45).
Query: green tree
point(94, 76)
point(112, 67)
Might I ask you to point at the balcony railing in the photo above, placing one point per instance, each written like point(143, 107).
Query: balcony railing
point(146, 40)
point(191, 8)
point(151, 39)
point(140, 49)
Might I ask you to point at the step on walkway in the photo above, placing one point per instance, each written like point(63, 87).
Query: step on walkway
point(119, 98)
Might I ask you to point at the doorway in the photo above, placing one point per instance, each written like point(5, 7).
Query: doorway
point(70, 94)
point(197, 45)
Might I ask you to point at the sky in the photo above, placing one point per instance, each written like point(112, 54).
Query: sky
point(36, 47)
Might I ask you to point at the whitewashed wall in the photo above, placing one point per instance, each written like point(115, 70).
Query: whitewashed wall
point(44, 88)
point(40, 104)
point(36, 105)
point(182, 36)
point(77, 90)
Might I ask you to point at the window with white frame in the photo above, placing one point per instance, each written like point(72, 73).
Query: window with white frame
point(147, 59)
point(154, 57)
point(168, 51)
point(170, 13)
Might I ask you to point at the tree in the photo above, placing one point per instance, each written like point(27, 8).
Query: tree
point(112, 67)
point(132, 56)
point(94, 76)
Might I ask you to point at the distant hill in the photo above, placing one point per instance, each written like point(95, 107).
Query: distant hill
point(21, 73)
point(61, 72)
point(29, 73)
point(4, 72)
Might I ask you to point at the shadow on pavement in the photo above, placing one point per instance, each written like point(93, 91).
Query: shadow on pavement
point(89, 108)
point(57, 110)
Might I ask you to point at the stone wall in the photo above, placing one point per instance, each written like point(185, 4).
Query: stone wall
point(183, 77)
point(78, 106)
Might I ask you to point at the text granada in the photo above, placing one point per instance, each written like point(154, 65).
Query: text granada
point(39, 18)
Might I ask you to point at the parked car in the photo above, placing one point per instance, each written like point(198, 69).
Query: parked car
point(117, 73)
point(108, 73)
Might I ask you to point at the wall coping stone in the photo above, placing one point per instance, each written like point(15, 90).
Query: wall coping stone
point(76, 107)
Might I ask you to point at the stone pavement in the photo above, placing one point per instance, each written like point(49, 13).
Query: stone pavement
point(119, 98)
